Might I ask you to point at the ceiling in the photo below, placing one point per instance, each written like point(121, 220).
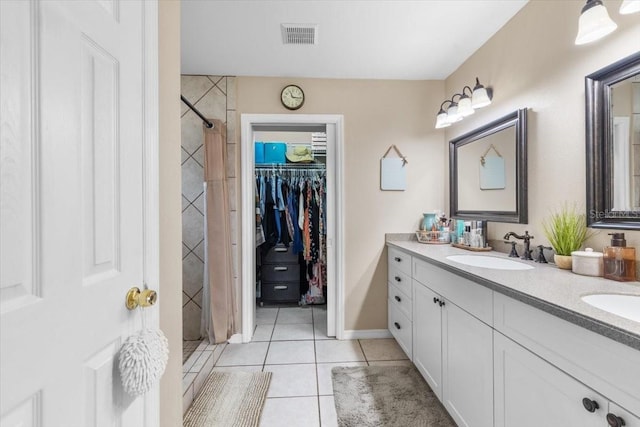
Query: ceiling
point(366, 39)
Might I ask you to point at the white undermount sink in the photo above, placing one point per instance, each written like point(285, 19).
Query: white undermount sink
point(627, 306)
point(491, 262)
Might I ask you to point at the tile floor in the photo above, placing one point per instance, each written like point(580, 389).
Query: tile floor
point(188, 347)
point(292, 343)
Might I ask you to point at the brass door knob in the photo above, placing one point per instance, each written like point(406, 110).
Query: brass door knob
point(137, 298)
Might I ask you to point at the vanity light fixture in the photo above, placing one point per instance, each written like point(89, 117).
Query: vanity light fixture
point(629, 6)
point(594, 22)
point(465, 106)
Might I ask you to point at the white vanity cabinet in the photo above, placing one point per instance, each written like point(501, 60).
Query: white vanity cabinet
point(495, 361)
point(530, 392)
point(453, 349)
point(542, 361)
point(399, 305)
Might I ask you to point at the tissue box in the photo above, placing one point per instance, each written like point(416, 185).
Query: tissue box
point(258, 148)
point(274, 152)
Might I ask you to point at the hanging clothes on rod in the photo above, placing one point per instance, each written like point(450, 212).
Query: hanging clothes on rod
point(292, 204)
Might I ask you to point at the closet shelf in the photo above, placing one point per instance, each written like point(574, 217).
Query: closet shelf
point(291, 166)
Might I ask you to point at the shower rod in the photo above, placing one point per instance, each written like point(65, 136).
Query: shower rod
point(195, 110)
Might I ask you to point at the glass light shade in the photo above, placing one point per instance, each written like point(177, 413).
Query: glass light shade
point(452, 114)
point(480, 98)
point(441, 121)
point(629, 6)
point(464, 107)
point(594, 23)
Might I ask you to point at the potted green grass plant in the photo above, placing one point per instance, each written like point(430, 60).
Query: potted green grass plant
point(566, 230)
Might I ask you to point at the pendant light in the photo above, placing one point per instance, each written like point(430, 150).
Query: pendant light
point(629, 6)
point(441, 119)
point(464, 103)
point(594, 22)
point(480, 97)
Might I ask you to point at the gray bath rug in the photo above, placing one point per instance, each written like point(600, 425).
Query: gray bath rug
point(229, 399)
point(386, 396)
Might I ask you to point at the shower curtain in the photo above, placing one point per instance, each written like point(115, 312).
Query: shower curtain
point(218, 311)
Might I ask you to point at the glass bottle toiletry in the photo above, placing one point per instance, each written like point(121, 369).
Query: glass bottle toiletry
point(619, 260)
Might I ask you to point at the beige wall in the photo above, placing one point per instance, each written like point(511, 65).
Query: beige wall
point(377, 113)
point(170, 237)
point(533, 62)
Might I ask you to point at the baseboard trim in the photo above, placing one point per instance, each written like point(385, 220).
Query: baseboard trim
point(363, 334)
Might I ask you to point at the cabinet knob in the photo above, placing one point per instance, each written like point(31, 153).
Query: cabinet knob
point(435, 300)
point(590, 405)
point(398, 279)
point(398, 298)
point(441, 303)
point(614, 420)
point(398, 259)
point(397, 325)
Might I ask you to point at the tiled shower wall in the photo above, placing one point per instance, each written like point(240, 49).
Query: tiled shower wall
point(215, 97)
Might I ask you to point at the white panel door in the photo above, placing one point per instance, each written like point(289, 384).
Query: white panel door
point(71, 200)
point(529, 392)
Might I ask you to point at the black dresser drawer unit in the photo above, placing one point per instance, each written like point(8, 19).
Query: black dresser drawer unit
point(280, 275)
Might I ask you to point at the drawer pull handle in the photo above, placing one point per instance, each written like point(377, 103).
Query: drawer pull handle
point(398, 279)
point(397, 325)
point(398, 298)
point(281, 249)
point(614, 420)
point(280, 268)
point(280, 287)
point(441, 303)
point(590, 405)
point(398, 259)
point(436, 300)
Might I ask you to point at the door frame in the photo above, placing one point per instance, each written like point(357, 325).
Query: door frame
point(335, 244)
point(151, 185)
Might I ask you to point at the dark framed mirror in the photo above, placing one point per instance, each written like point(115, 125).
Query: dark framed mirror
point(488, 171)
point(612, 97)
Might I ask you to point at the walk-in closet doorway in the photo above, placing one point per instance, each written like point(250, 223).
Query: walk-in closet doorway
point(333, 126)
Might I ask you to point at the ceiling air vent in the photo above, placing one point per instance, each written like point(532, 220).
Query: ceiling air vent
point(299, 33)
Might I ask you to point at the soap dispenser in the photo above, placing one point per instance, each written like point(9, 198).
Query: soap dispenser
point(619, 260)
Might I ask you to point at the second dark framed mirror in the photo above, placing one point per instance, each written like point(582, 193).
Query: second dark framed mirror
point(612, 100)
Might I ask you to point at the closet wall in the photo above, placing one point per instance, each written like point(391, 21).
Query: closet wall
point(215, 97)
point(377, 113)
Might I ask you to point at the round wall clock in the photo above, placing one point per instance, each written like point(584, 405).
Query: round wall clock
point(292, 97)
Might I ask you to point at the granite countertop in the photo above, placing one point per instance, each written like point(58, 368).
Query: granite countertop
point(545, 287)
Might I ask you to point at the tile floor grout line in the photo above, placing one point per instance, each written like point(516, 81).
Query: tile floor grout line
point(266, 355)
point(363, 353)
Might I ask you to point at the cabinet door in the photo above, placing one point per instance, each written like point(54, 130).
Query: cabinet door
point(467, 353)
point(427, 336)
point(529, 392)
point(625, 416)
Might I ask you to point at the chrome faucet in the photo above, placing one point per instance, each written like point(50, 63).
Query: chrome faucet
point(526, 238)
